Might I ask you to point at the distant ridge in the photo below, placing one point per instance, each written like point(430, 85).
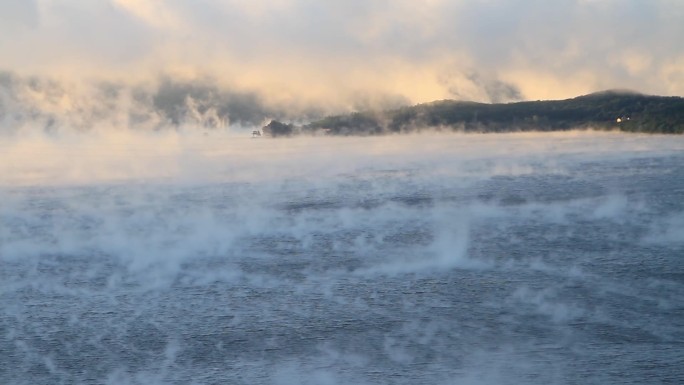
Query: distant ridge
point(613, 91)
point(623, 110)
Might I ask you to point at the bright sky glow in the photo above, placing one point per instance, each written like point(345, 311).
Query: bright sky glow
point(342, 53)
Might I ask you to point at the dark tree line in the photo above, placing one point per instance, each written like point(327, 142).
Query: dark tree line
point(608, 110)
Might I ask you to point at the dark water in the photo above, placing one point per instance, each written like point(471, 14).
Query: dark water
point(383, 275)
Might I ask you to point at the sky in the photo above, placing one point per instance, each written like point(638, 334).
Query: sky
point(341, 55)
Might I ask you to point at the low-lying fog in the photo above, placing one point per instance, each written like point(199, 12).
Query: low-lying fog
point(176, 258)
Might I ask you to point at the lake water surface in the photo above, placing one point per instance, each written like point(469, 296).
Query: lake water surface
point(419, 259)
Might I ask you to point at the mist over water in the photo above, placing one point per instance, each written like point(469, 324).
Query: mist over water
point(177, 258)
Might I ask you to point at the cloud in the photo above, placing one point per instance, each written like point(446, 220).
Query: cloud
point(18, 14)
point(152, 13)
point(343, 55)
point(46, 104)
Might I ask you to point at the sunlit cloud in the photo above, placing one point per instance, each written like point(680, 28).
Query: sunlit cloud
point(349, 55)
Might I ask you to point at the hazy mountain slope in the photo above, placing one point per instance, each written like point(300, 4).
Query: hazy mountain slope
point(622, 110)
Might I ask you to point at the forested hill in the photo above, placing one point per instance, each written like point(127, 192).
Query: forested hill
point(621, 110)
